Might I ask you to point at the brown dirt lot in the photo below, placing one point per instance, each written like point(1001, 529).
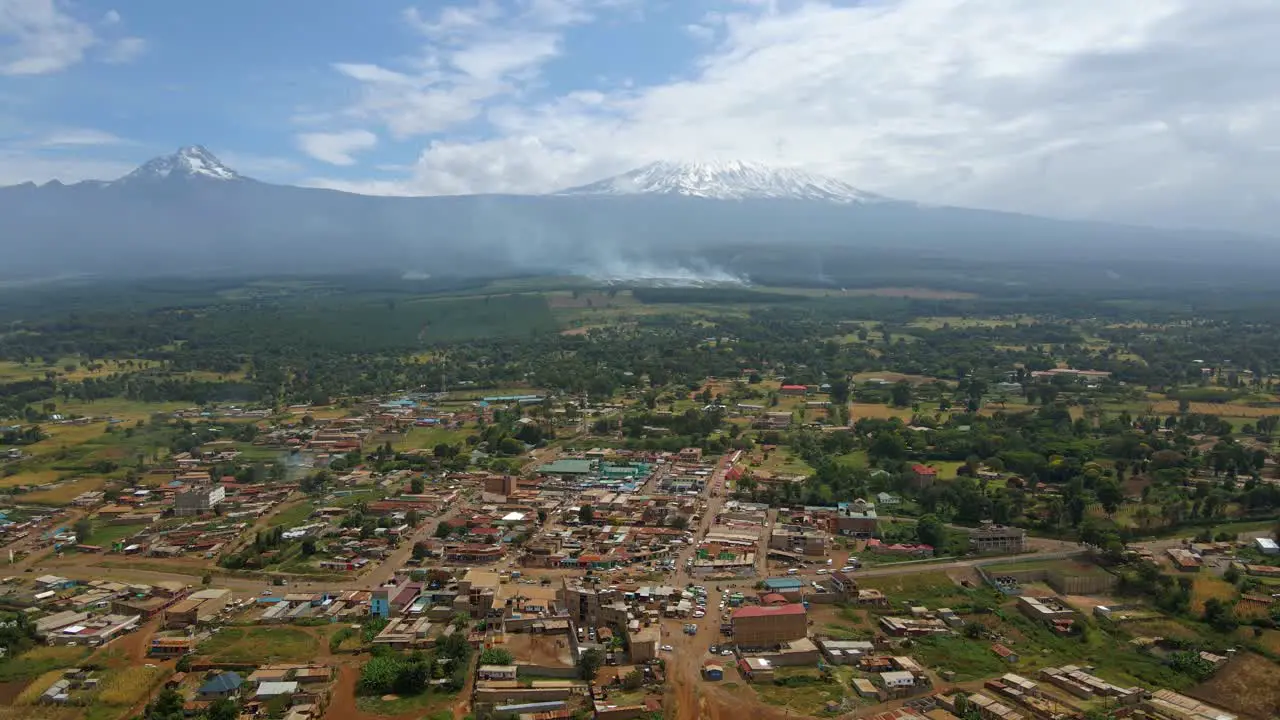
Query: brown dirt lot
point(545, 650)
point(1246, 685)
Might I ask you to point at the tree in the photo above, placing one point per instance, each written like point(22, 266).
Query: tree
point(589, 664)
point(416, 485)
point(633, 680)
point(496, 656)
point(183, 664)
point(586, 514)
point(680, 522)
point(167, 706)
point(222, 709)
point(308, 547)
point(1109, 495)
point(931, 531)
point(900, 394)
point(840, 392)
point(83, 529)
point(1218, 615)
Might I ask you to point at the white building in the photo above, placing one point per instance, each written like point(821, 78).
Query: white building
point(198, 500)
point(1266, 546)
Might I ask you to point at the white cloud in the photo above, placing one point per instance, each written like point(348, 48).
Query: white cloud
point(18, 166)
point(337, 148)
point(126, 49)
point(79, 137)
point(1142, 110)
point(37, 37)
point(111, 17)
point(471, 56)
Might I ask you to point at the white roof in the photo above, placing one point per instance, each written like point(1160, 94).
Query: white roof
point(277, 688)
point(1267, 542)
point(513, 517)
point(72, 629)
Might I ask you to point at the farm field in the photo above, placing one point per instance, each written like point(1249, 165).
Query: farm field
point(261, 645)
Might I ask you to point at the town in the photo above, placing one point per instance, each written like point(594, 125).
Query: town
point(373, 573)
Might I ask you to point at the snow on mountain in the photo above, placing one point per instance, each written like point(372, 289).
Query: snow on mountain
point(732, 180)
point(193, 161)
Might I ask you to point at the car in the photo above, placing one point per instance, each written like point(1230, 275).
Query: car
point(699, 614)
point(715, 650)
point(266, 592)
point(823, 571)
point(667, 648)
point(848, 568)
point(726, 652)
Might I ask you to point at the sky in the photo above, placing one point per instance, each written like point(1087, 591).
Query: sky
point(1160, 112)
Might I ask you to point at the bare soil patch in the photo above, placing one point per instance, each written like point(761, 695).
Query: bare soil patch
point(1246, 685)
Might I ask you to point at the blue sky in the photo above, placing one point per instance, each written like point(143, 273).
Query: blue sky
point(1155, 111)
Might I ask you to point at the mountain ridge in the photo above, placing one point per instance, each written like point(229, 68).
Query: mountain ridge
point(726, 180)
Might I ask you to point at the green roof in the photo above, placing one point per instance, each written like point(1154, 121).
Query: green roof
point(568, 467)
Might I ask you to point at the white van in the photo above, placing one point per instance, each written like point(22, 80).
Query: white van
point(793, 571)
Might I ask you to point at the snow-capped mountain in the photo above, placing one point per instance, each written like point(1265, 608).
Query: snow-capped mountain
point(193, 161)
point(731, 180)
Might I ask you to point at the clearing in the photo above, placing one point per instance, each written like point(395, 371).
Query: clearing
point(260, 645)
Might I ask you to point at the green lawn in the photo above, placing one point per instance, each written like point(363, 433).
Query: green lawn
point(429, 705)
point(426, 438)
point(260, 645)
point(105, 535)
point(856, 459)
point(293, 515)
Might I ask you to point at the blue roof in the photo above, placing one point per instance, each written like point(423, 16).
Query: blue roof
point(783, 583)
point(226, 682)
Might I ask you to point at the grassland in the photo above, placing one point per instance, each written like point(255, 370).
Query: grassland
point(426, 438)
point(39, 660)
point(427, 705)
point(803, 691)
point(260, 645)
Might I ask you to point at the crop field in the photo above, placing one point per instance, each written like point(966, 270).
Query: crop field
point(124, 687)
point(878, 412)
point(30, 695)
point(1071, 568)
point(802, 690)
point(426, 438)
point(260, 645)
point(64, 493)
point(1206, 587)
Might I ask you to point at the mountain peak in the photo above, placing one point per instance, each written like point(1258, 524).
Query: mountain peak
point(192, 161)
point(727, 180)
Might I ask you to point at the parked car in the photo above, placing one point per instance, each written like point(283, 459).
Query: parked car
point(667, 648)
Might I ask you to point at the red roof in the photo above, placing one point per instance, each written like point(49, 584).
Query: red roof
point(775, 611)
point(794, 387)
point(773, 599)
point(923, 470)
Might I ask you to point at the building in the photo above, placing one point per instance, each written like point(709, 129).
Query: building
point(197, 501)
point(222, 685)
point(998, 539)
point(169, 647)
point(756, 670)
point(1266, 546)
point(796, 390)
point(1047, 610)
point(497, 672)
point(501, 484)
point(922, 476)
point(713, 671)
point(855, 519)
point(1174, 706)
point(798, 540)
point(768, 626)
point(203, 605)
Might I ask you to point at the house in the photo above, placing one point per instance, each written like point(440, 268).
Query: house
point(888, 499)
point(199, 500)
point(713, 671)
point(1266, 546)
point(922, 476)
point(497, 672)
point(756, 670)
point(223, 685)
point(998, 539)
point(766, 626)
point(795, 390)
point(855, 519)
point(1004, 653)
point(268, 690)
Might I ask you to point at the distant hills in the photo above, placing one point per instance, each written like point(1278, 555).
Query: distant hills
point(188, 213)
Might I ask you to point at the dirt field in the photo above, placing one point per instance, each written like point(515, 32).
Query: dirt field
point(1206, 587)
point(545, 650)
point(893, 377)
point(879, 412)
point(1246, 685)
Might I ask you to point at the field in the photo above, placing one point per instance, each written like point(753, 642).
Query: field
point(30, 695)
point(1070, 568)
point(426, 438)
point(260, 645)
point(1247, 686)
point(1208, 586)
point(64, 493)
point(876, 411)
point(784, 462)
point(933, 589)
point(104, 535)
point(802, 691)
point(39, 660)
point(968, 659)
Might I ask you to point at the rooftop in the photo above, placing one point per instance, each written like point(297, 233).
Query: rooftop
point(775, 611)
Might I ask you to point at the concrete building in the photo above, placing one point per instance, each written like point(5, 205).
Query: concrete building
point(768, 626)
point(855, 519)
point(1266, 546)
point(198, 500)
point(798, 540)
point(998, 539)
point(203, 605)
point(501, 484)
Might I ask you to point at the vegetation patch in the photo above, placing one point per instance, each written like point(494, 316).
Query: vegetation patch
point(260, 645)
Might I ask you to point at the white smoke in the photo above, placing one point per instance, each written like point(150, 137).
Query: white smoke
point(618, 271)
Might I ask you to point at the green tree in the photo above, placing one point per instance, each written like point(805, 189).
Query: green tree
point(308, 547)
point(1109, 495)
point(931, 531)
point(167, 706)
point(900, 394)
point(496, 656)
point(586, 514)
point(589, 663)
point(222, 709)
